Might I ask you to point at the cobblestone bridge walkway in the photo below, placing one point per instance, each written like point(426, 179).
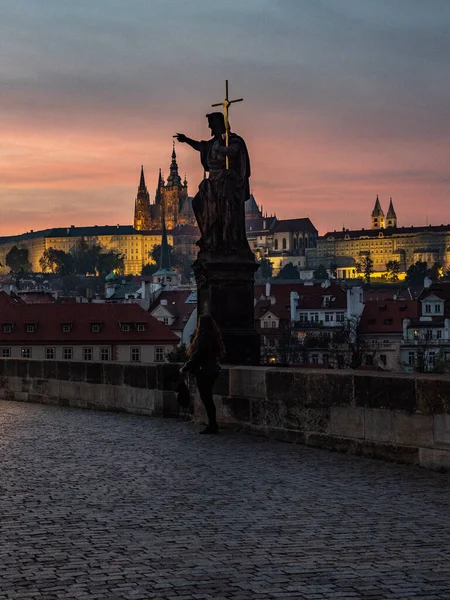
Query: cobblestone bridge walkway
point(105, 506)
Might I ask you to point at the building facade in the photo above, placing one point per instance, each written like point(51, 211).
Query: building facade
point(385, 241)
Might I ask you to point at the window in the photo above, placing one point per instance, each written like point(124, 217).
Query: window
point(104, 353)
point(166, 320)
point(427, 308)
point(284, 243)
point(429, 334)
point(30, 328)
point(340, 317)
point(7, 328)
point(325, 359)
point(314, 317)
point(432, 356)
point(135, 355)
point(159, 354)
point(274, 323)
point(383, 359)
point(276, 244)
point(437, 308)
point(369, 359)
point(315, 359)
point(439, 334)
point(95, 327)
point(411, 358)
point(125, 327)
point(88, 353)
point(141, 327)
point(49, 353)
point(67, 353)
point(5, 352)
point(66, 328)
point(26, 352)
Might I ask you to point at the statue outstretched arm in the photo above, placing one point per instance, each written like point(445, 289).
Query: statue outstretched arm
point(185, 140)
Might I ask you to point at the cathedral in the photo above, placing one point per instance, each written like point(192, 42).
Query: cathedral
point(171, 202)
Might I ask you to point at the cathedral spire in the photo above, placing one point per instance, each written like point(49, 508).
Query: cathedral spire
point(159, 188)
point(142, 185)
point(142, 212)
point(174, 179)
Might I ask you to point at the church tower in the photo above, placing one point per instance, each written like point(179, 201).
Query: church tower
point(377, 216)
point(391, 217)
point(173, 194)
point(142, 214)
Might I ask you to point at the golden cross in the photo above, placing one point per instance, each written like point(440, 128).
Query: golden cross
point(225, 104)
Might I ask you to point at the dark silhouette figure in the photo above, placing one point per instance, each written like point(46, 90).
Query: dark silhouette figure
point(204, 354)
point(219, 203)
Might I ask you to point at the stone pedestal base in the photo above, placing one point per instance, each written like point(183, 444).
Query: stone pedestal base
point(225, 289)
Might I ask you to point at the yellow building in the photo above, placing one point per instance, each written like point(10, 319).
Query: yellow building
point(385, 241)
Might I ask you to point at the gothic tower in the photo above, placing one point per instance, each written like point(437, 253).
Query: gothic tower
point(142, 214)
point(377, 216)
point(391, 217)
point(173, 194)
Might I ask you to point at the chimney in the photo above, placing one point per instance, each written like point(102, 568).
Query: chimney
point(267, 290)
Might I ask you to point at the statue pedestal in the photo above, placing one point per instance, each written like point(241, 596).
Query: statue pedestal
point(225, 290)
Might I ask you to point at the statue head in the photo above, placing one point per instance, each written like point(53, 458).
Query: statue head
point(216, 123)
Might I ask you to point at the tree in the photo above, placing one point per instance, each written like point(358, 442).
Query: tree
point(56, 261)
point(367, 267)
point(416, 273)
point(436, 272)
point(110, 261)
point(155, 254)
point(265, 269)
point(149, 269)
point(17, 259)
point(178, 354)
point(333, 270)
point(393, 269)
point(87, 258)
point(320, 273)
point(348, 347)
point(289, 271)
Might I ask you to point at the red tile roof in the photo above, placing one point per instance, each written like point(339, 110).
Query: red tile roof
point(49, 322)
point(175, 304)
point(387, 316)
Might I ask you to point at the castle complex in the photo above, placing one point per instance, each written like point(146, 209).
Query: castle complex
point(280, 241)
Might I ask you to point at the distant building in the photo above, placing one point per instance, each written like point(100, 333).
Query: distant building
point(177, 309)
point(82, 331)
point(385, 241)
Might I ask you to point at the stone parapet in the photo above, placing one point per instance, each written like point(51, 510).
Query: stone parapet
point(399, 417)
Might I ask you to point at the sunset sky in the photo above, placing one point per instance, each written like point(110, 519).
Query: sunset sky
point(343, 100)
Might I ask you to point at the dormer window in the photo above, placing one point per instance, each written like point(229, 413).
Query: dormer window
point(7, 328)
point(95, 327)
point(31, 328)
point(140, 327)
point(437, 309)
point(66, 327)
point(125, 327)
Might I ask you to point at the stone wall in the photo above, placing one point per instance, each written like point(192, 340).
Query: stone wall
point(391, 416)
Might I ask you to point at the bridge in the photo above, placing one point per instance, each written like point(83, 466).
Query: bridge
point(106, 506)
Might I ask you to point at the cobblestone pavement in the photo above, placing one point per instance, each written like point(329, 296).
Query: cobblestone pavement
point(108, 506)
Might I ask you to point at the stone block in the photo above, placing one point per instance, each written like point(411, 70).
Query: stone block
point(413, 430)
point(37, 398)
point(15, 384)
point(434, 459)
point(49, 369)
point(307, 420)
point(11, 366)
point(126, 398)
point(144, 398)
point(40, 386)
point(78, 371)
point(268, 413)
point(325, 388)
point(21, 396)
point(222, 384)
point(35, 369)
point(113, 374)
point(433, 394)
point(379, 425)
point(380, 391)
point(152, 376)
point(235, 409)
point(442, 429)
point(53, 386)
point(284, 384)
point(347, 421)
point(27, 384)
point(249, 382)
point(63, 371)
point(135, 376)
point(94, 372)
point(22, 368)
point(168, 376)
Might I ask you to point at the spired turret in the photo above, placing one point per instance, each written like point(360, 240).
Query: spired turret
point(142, 213)
point(391, 217)
point(377, 216)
